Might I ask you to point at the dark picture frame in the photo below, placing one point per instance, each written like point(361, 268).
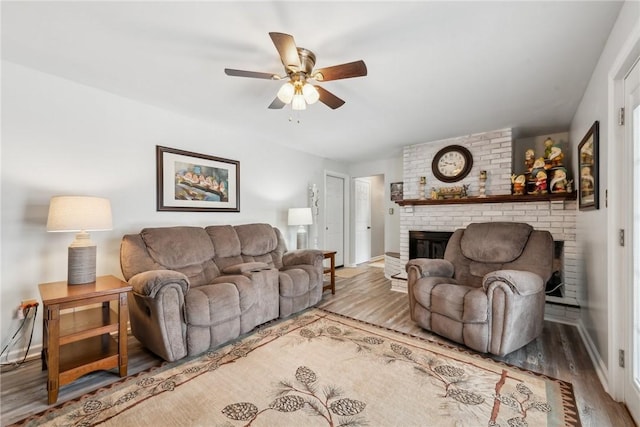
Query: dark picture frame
point(588, 185)
point(397, 191)
point(193, 182)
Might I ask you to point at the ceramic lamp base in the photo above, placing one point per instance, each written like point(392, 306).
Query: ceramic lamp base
point(302, 238)
point(81, 265)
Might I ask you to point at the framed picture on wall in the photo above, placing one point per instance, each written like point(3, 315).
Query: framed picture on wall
point(195, 182)
point(588, 197)
point(396, 191)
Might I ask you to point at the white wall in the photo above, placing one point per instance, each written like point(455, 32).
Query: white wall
point(592, 235)
point(62, 138)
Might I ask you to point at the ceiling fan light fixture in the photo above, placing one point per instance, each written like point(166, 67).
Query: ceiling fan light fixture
point(298, 102)
point(310, 93)
point(286, 92)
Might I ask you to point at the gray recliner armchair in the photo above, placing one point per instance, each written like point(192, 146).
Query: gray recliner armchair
point(488, 291)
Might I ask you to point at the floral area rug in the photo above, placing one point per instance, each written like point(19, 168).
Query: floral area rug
point(323, 369)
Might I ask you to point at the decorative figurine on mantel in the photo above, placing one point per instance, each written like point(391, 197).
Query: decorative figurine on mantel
point(465, 191)
point(434, 193)
point(538, 164)
point(556, 156)
point(559, 181)
point(540, 176)
point(548, 145)
point(483, 183)
point(423, 182)
point(518, 184)
point(529, 159)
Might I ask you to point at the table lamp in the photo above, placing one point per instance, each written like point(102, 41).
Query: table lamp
point(80, 214)
point(301, 217)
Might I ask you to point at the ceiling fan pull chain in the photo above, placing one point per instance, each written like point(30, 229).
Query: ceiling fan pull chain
point(298, 121)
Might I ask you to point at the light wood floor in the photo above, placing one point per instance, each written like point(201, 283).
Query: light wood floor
point(558, 353)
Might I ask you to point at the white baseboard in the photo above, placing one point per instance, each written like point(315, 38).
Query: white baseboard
point(17, 355)
point(598, 363)
point(557, 319)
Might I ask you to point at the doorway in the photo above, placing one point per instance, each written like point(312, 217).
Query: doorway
point(369, 218)
point(335, 214)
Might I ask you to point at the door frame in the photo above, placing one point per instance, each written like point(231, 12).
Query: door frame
point(619, 314)
point(345, 214)
point(632, 104)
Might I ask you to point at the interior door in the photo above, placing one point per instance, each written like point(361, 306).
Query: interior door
point(334, 224)
point(632, 137)
point(363, 220)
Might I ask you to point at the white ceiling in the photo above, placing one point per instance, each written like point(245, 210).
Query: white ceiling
point(436, 69)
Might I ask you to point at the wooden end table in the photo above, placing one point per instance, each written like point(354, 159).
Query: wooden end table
point(79, 342)
point(331, 255)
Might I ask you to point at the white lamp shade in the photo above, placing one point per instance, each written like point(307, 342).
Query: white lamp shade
point(298, 102)
point(285, 94)
point(300, 216)
point(310, 93)
point(79, 213)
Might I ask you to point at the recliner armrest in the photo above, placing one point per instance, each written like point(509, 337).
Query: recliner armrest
point(302, 256)
point(150, 282)
point(431, 267)
point(520, 282)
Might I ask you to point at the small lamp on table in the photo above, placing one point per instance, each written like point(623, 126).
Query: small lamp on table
point(301, 217)
point(80, 214)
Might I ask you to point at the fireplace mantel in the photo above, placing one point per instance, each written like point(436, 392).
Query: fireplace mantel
point(500, 198)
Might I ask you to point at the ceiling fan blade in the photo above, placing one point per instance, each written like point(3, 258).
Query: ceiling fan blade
point(253, 74)
point(276, 104)
point(329, 99)
point(343, 71)
point(288, 51)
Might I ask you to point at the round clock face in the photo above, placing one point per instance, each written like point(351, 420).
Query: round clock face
point(452, 163)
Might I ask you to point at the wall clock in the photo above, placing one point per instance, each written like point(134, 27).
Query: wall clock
point(452, 163)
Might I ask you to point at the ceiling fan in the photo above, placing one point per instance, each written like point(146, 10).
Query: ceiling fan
point(298, 65)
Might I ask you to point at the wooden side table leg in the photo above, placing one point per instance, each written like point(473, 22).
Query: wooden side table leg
point(333, 274)
point(123, 315)
point(53, 353)
point(45, 338)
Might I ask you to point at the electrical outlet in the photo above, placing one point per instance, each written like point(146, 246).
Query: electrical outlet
point(26, 303)
point(25, 307)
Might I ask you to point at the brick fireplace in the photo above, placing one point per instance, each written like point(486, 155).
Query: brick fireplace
point(491, 152)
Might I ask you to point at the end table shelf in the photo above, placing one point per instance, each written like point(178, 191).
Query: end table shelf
point(79, 342)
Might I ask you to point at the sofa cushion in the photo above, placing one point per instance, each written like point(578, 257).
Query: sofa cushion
point(178, 247)
point(495, 242)
point(448, 300)
point(256, 239)
point(225, 240)
point(212, 305)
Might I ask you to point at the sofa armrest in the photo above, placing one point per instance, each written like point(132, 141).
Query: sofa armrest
point(431, 267)
point(302, 256)
point(149, 283)
point(518, 281)
point(245, 267)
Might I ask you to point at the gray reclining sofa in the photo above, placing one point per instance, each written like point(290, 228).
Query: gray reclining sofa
point(195, 288)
